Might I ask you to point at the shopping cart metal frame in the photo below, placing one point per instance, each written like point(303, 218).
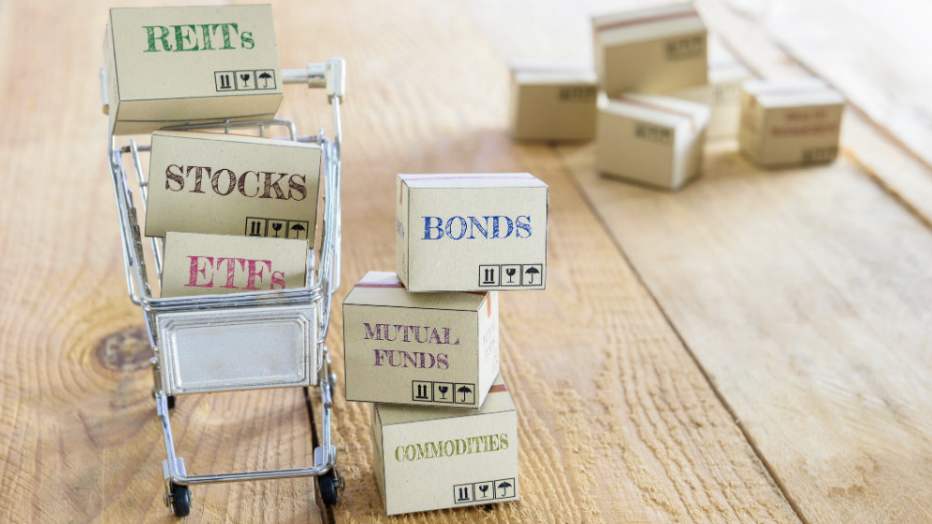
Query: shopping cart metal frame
point(304, 312)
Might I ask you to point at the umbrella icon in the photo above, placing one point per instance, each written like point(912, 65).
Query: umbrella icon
point(297, 228)
point(532, 271)
point(504, 487)
point(265, 77)
point(465, 390)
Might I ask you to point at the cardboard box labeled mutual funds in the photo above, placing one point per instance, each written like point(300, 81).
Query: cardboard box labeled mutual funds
point(786, 122)
point(199, 264)
point(433, 458)
point(653, 140)
point(419, 348)
point(472, 232)
point(650, 50)
point(552, 101)
point(172, 65)
point(232, 185)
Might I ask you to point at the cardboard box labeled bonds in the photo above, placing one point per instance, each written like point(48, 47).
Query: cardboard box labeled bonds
point(232, 185)
point(173, 65)
point(419, 348)
point(786, 122)
point(652, 140)
point(433, 458)
point(472, 232)
point(551, 101)
point(650, 50)
point(199, 264)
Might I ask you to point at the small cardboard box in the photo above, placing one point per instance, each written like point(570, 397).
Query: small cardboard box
point(650, 50)
point(433, 458)
point(199, 264)
point(418, 348)
point(172, 65)
point(552, 101)
point(232, 185)
point(472, 232)
point(649, 139)
point(786, 122)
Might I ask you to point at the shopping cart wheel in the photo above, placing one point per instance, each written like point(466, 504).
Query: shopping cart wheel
point(181, 500)
point(328, 483)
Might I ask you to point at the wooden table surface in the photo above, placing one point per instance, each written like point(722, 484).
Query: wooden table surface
point(754, 348)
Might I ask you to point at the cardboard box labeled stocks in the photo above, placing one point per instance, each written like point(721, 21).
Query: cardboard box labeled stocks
point(199, 264)
point(650, 50)
point(652, 140)
point(419, 348)
point(551, 101)
point(232, 185)
point(173, 65)
point(785, 122)
point(472, 232)
point(433, 458)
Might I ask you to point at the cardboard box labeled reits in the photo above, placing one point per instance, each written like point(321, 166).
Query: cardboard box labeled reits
point(650, 50)
point(200, 264)
point(232, 185)
point(472, 232)
point(418, 348)
point(552, 101)
point(653, 140)
point(433, 458)
point(173, 65)
point(786, 122)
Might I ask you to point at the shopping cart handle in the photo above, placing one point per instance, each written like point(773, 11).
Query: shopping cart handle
point(330, 74)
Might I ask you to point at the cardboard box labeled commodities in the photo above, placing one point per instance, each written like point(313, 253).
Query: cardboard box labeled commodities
point(653, 140)
point(472, 232)
point(418, 348)
point(552, 102)
point(199, 264)
point(433, 458)
point(232, 185)
point(786, 122)
point(650, 50)
point(171, 65)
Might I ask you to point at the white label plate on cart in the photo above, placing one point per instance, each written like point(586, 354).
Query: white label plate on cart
point(243, 348)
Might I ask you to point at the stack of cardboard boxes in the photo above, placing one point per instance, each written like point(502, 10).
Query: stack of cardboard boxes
point(422, 344)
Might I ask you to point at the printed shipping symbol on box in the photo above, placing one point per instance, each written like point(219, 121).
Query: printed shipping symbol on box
point(652, 140)
point(551, 101)
point(232, 185)
point(418, 348)
point(432, 458)
point(174, 65)
point(650, 50)
point(472, 232)
point(200, 264)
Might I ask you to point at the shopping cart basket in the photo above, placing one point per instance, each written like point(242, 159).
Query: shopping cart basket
point(191, 335)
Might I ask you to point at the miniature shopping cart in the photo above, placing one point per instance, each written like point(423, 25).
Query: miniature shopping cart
point(190, 335)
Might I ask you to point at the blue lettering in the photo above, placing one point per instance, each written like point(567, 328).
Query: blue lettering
point(523, 226)
point(428, 227)
point(474, 224)
point(496, 229)
point(462, 228)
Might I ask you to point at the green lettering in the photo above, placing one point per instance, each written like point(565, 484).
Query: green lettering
point(431, 450)
point(205, 36)
point(493, 442)
point(163, 37)
point(397, 452)
point(504, 437)
point(410, 453)
point(225, 29)
point(247, 41)
point(182, 36)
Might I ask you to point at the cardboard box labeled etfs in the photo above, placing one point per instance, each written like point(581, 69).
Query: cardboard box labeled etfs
point(472, 232)
point(199, 264)
point(418, 348)
point(433, 458)
point(232, 185)
point(652, 140)
point(174, 65)
point(552, 101)
point(650, 50)
point(786, 122)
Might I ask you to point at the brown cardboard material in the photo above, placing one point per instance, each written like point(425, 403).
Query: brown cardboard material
point(471, 232)
point(172, 65)
point(200, 264)
point(433, 458)
point(788, 122)
point(652, 140)
point(552, 101)
point(418, 348)
point(651, 50)
point(232, 185)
